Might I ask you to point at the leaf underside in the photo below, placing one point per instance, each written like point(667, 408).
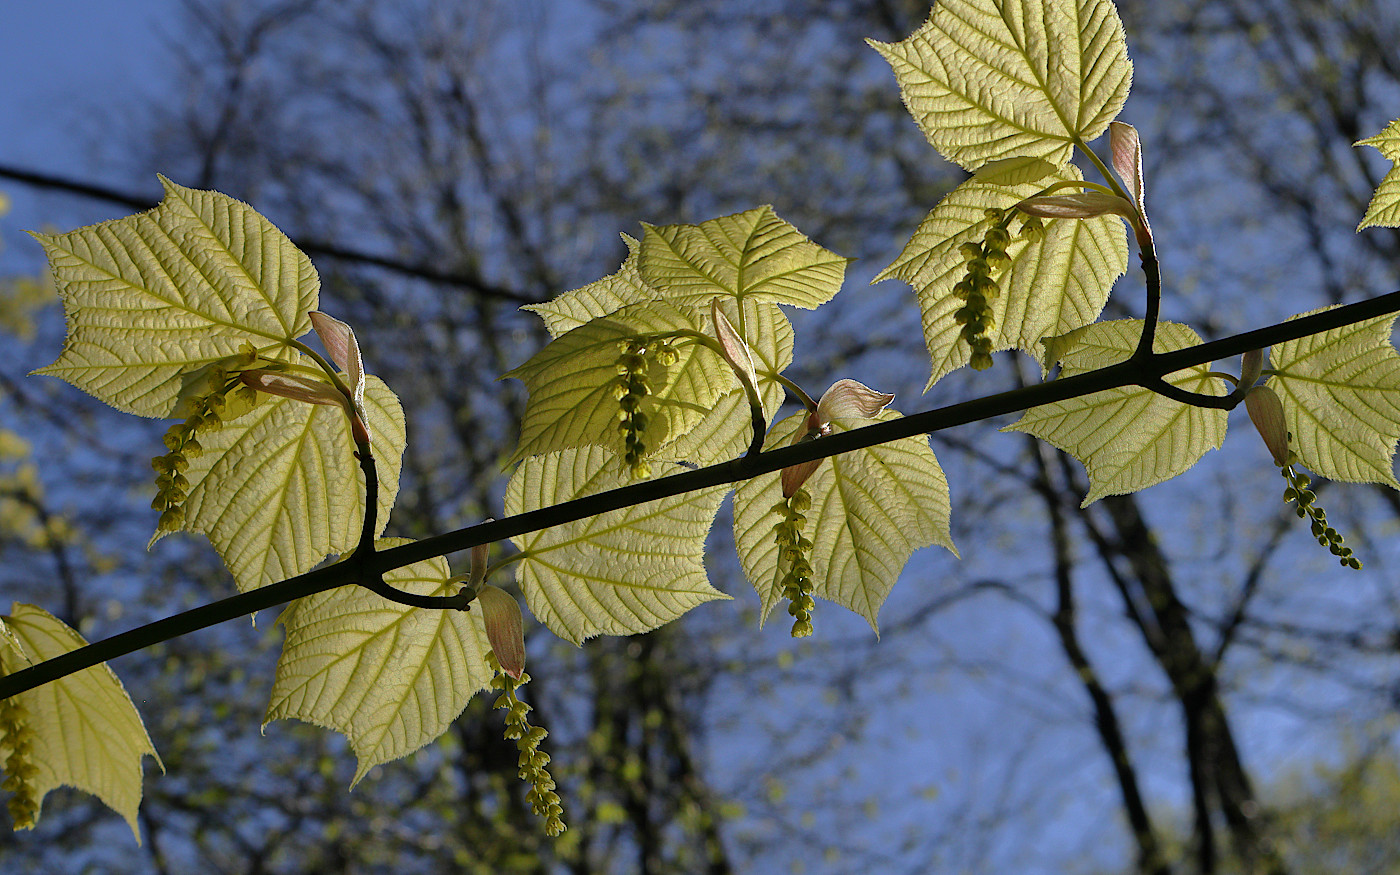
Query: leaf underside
point(618, 573)
point(390, 677)
point(87, 733)
point(1128, 438)
point(871, 509)
point(1341, 400)
point(154, 296)
point(992, 79)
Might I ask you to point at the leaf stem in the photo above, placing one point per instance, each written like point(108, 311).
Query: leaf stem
point(795, 389)
point(1135, 371)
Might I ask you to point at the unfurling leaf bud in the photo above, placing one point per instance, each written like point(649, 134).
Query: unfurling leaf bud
point(1251, 366)
point(339, 340)
point(1266, 412)
point(504, 628)
point(1080, 205)
point(733, 347)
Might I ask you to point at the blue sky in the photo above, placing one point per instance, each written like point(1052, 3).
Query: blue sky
point(60, 61)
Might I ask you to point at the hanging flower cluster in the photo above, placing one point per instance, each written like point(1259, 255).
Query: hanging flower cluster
point(1266, 412)
point(20, 770)
point(631, 388)
point(225, 397)
point(533, 762)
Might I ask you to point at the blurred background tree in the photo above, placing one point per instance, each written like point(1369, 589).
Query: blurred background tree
point(1089, 689)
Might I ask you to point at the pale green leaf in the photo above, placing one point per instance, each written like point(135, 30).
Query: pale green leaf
point(1384, 208)
point(1341, 400)
point(753, 255)
point(871, 509)
point(607, 295)
point(1128, 438)
point(151, 297)
point(390, 677)
point(990, 79)
point(571, 381)
point(1052, 286)
point(618, 573)
point(727, 429)
point(278, 489)
point(87, 733)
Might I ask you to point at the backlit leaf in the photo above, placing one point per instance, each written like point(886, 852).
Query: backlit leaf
point(152, 297)
point(753, 255)
point(571, 381)
point(390, 677)
point(1128, 438)
point(990, 79)
point(726, 430)
point(1341, 400)
point(87, 733)
point(607, 295)
point(871, 509)
point(278, 489)
point(1052, 286)
point(619, 573)
point(1384, 208)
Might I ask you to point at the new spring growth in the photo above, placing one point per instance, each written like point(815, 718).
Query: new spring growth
point(1266, 412)
point(846, 399)
point(532, 763)
point(631, 388)
point(794, 552)
point(20, 771)
point(978, 287)
point(344, 349)
point(212, 394)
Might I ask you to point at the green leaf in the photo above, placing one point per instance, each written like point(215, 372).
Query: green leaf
point(618, 573)
point(1053, 285)
point(752, 255)
point(279, 489)
point(151, 297)
point(1341, 400)
point(571, 382)
point(1128, 438)
point(726, 430)
point(390, 677)
point(871, 509)
point(571, 309)
point(1384, 208)
point(990, 79)
point(87, 733)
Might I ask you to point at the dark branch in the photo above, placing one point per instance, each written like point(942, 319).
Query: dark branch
point(1132, 372)
point(310, 247)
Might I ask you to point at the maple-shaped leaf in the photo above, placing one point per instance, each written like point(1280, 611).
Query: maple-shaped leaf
point(618, 573)
point(1128, 438)
point(278, 489)
point(871, 509)
point(752, 256)
point(991, 79)
point(83, 729)
point(578, 306)
point(1384, 208)
point(152, 297)
point(727, 428)
point(390, 677)
point(1341, 400)
point(572, 381)
point(1055, 283)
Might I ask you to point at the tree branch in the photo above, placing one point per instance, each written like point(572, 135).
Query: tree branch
point(1128, 373)
point(323, 248)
